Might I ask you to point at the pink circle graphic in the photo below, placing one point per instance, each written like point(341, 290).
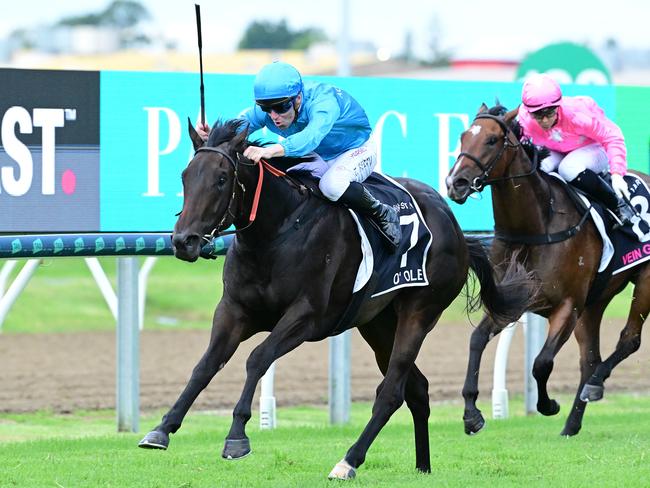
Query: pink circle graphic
point(69, 182)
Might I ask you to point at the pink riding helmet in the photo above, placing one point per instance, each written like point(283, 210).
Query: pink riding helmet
point(540, 91)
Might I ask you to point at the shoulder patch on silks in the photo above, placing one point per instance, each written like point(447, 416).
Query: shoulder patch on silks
point(632, 242)
point(407, 266)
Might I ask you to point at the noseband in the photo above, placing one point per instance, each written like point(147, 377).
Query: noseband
point(481, 181)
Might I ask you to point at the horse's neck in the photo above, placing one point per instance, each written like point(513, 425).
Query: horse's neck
point(522, 204)
point(278, 201)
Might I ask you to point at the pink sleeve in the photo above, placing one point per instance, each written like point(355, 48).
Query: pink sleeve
point(598, 127)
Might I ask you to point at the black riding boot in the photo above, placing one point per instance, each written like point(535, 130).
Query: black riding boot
point(592, 184)
point(358, 198)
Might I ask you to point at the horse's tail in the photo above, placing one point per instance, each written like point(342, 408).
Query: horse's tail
point(504, 301)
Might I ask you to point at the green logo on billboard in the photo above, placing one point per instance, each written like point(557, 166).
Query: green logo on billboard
point(79, 244)
point(160, 244)
point(119, 244)
point(58, 245)
point(16, 246)
point(37, 246)
point(567, 63)
point(139, 244)
point(99, 244)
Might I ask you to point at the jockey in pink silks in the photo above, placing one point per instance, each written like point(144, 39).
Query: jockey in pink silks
point(583, 142)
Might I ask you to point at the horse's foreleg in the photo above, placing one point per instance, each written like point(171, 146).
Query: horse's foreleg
point(472, 417)
point(561, 324)
point(291, 331)
point(628, 343)
point(587, 333)
point(228, 330)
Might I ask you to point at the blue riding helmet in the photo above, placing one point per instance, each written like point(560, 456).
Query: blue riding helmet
point(277, 80)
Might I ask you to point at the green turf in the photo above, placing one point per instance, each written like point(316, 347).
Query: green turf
point(62, 297)
point(82, 449)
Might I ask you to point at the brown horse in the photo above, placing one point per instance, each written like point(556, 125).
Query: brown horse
point(535, 217)
point(290, 272)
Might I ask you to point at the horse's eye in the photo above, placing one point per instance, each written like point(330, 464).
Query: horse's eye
point(492, 140)
point(222, 180)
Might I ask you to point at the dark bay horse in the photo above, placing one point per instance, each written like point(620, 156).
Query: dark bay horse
point(530, 207)
point(290, 272)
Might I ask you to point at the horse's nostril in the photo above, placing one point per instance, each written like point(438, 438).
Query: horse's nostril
point(461, 184)
point(192, 240)
point(185, 241)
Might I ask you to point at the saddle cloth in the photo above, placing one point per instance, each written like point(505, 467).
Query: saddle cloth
point(405, 267)
point(625, 246)
point(632, 242)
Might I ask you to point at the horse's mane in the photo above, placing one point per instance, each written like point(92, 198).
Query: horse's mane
point(531, 149)
point(224, 131)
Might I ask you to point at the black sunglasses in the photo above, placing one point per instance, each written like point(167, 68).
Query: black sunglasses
point(279, 107)
point(545, 112)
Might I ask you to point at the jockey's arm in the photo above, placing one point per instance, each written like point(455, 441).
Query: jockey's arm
point(323, 113)
point(255, 153)
point(608, 134)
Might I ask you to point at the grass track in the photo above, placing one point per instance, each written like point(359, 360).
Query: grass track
point(43, 450)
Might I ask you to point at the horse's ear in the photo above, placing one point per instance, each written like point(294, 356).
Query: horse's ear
point(510, 116)
point(482, 108)
point(197, 142)
point(238, 141)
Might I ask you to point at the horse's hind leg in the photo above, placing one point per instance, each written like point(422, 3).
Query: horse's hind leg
point(413, 325)
point(229, 329)
point(472, 417)
point(629, 341)
point(587, 334)
point(380, 338)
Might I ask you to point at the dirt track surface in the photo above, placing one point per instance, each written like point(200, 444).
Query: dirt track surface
point(64, 372)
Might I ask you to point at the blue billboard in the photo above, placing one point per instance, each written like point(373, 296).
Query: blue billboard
point(145, 146)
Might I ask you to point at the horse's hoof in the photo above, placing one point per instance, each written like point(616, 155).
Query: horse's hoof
point(236, 448)
point(154, 440)
point(342, 471)
point(474, 423)
point(570, 431)
point(592, 393)
point(551, 408)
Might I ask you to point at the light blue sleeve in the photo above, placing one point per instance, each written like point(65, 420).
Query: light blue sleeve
point(254, 121)
point(323, 112)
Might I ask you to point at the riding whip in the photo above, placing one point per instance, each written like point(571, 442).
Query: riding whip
point(198, 31)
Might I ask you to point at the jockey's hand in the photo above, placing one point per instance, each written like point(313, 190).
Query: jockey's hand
point(203, 130)
point(620, 186)
point(255, 153)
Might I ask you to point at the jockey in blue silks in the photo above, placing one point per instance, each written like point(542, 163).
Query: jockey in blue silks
point(325, 123)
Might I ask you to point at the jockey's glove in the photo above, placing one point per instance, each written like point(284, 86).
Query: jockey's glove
point(620, 186)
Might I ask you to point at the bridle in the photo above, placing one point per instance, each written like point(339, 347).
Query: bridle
point(223, 224)
point(482, 180)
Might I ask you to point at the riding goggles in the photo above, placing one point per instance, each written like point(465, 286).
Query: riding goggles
point(545, 112)
point(280, 106)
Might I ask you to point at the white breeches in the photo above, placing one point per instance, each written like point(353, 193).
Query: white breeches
point(337, 174)
point(571, 164)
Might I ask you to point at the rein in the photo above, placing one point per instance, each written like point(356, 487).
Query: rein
point(256, 197)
